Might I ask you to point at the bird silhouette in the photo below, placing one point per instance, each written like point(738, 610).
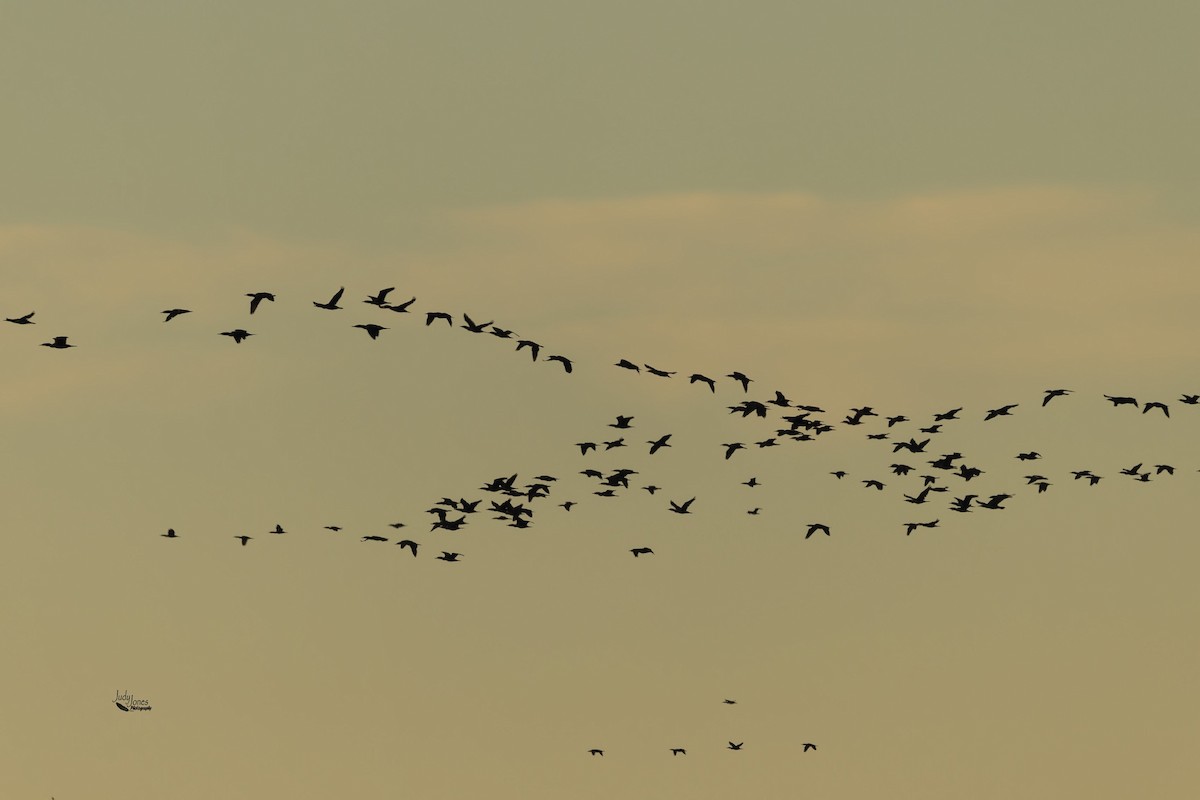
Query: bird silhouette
point(244, 539)
point(1053, 393)
point(332, 305)
point(678, 751)
point(808, 746)
point(410, 544)
point(172, 313)
point(742, 379)
point(401, 308)
point(662, 373)
point(729, 702)
point(566, 362)
point(1002, 411)
point(278, 529)
point(449, 556)
point(534, 348)
point(59, 343)
point(373, 539)
point(659, 443)
point(170, 534)
point(622, 422)
point(731, 448)
point(257, 297)
point(1121, 401)
point(1155, 404)
point(380, 299)
point(473, 326)
point(430, 316)
point(596, 752)
point(237, 334)
point(372, 329)
point(625, 363)
point(696, 377)
point(638, 551)
point(817, 526)
point(25, 320)
point(681, 508)
point(737, 746)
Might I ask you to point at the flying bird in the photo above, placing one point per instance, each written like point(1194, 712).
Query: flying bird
point(372, 329)
point(678, 751)
point(59, 343)
point(637, 551)
point(1002, 411)
point(732, 448)
point(742, 379)
point(170, 534)
point(410, 544)
point(1155, 404)
point(808, 746)
point(658, 443)
point(622, 422)
point(698, 378)
point(237, 334)
point(332, 305)
point(450, 557)
point(627, 364)
point(430, 316)
point(256, 298)
point(534, 347)
point(679, 508)
point(737, 746)
point(25, 320)
point(1053, 393)
point(566, 362)
point(172, 313)
point(278, 529)
point(381, 298)
point(244, 539)
point(817, 526)
point(473, 326)
point(596, 752)
point(400, 307)
point(662, 373)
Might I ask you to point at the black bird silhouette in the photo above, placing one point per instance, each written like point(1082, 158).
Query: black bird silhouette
point(1053, 393)
point(1032, 455)
point(567, 505)
point(373, 539)
point(651, 489)
point(170, 534)
point(334, 528)
point(808, 746)
point(614, 443)
point(585, 446)
point(1155, 404)
point(534, 347)
point(994, 501)
point(332, 305)
point(874, 484)
point(737, 746)
point(662, 373)
point(430, 316)
point(596, 752)
point(839, 474)
point(59, 343)
point(729, 702)
point(372, 329)
point(237, 334)
point(450, 557)
point(25, 320)
point(400, 307)
point(963, 504)
point(678, 751)
point(410, 544)
point(278, 529)
point(1002, 411)
point(622, 422)
point(1190, 399)
point(244, 539)
point(754, 512)
point(638, 551)
point(751, 483)
point(627, 364)
point(501, 333)
point(817, 526)
point(257, 297)
point(1121, 401)
point(945, 415)
point(658, 443)
point(681, 508)
point(696, 377)
point(381, 298)
point(742, 379)
point(566, 362)
point(1159, 469)
point(172, 313)
point(731, 448)
point(473, 326)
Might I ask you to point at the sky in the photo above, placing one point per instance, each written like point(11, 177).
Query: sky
point(913, 207)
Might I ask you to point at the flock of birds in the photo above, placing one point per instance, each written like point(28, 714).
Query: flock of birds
point(922, 475)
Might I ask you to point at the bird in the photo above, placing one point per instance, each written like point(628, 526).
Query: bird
point(172, 313)
point(334, 528)
point(380, 299)
point(473, 326)
point(742, 379)
point(372, 329)
point(696, 377)
point(729, 702)
point(1155, 404)
point(1121, 401)
point(373, 539)
point(400, 307)
point(678, 751)
point(534, 347)
point(244, 539)
point(945, 415)
point(737, 746)
point(596, 752)
point(430, 316)
point(874, 484)
point(751, 483)
point(585, 446)
point(681, 508)
point(170, 534)
point(662, 373)
point(1053, 393)
point(568, 505)
point(278, 529)
point(237, 334)
point(652, 489)
point(25, 320)
point(659, 443)
point(1190, 399)
point(1030, 456)
point(817, 526)
point(450, 557)
point(59, 343)
point(622, 422)
point(731, 448)
point(332, 305)
point(839, 474)
point(257, 297)
point(808, 746)
point(627, 364)
point(566, 362)
point(754, 512)
point(1002, 411)
point(410, 544)
point(637, 551)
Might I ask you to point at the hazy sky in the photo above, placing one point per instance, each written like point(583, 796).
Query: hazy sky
point(912, 206)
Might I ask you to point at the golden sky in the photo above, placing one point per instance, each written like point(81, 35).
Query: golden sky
point(910, 206)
